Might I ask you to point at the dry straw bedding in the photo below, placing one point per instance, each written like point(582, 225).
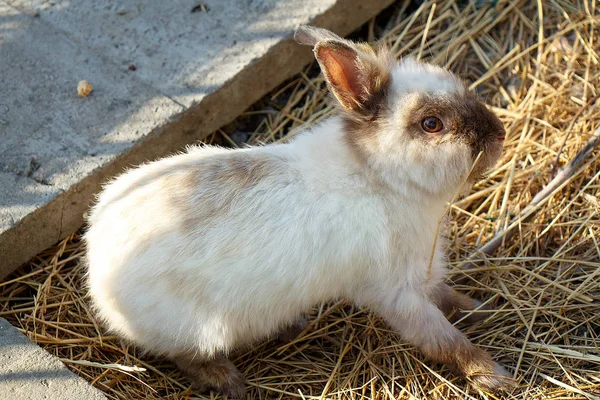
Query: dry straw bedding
point(537, 64)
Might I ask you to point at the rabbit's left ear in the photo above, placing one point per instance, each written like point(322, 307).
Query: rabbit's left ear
point(354, 72)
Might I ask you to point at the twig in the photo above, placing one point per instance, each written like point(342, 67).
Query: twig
point(118, 367)
point(561, 177)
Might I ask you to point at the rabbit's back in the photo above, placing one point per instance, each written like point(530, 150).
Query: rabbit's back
point(214, 247)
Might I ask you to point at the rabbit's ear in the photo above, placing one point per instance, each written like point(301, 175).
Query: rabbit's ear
point(354, 72)
point(311, 35)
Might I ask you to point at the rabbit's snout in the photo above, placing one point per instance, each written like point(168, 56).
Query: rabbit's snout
point(481, 128)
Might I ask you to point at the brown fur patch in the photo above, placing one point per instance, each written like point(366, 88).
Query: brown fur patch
point(466, 120)
point(362, 124)
point(363, 127)
point(456, 305)
point(289, 333)
point(465, 117)
point(217, 374)
point(460, 353)
point(246, 171)
point(214, 185)
point(451, 347)
point(474, 364)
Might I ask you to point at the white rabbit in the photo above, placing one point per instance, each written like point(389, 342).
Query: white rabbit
point(197, 254)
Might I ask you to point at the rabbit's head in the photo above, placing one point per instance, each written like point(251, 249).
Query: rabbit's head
point(415, 125)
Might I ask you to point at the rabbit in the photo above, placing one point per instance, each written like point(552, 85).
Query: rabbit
point(198, 254)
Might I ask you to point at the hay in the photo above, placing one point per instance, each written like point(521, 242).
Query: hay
point(539, 69)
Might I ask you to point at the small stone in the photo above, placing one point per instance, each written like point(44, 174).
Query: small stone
point(33, 166)
point(84, 88)
point(200, 8)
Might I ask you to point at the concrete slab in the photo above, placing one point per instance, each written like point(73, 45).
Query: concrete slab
point(165, 74)
point(185, 54)
point(29, 372)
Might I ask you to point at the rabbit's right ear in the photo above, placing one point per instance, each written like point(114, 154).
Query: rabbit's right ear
point(354, 72)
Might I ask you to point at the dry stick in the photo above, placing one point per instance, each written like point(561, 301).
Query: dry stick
point(561, 177)
point(427, 26)
point(118, 367)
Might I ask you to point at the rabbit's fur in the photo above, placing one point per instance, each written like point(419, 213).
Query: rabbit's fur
point(197, 254)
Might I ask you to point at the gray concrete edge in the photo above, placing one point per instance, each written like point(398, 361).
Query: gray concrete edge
point(30, 372)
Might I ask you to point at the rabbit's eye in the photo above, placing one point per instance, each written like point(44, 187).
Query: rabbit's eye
point(432, 125)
